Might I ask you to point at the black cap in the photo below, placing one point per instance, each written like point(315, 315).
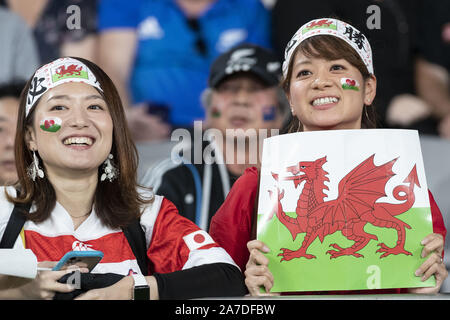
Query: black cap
point(246, 58)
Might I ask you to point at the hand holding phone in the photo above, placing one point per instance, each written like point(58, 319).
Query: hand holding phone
point(82, 259)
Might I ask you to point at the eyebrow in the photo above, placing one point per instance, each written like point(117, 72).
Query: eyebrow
point(302, 62)
point(93, 96)
point(66, 97)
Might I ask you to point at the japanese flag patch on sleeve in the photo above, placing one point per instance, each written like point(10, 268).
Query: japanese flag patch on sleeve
point(198, 239)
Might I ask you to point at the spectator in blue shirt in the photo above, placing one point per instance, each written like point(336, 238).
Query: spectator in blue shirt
point(158, 52)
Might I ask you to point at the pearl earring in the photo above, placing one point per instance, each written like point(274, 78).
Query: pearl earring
point(110, 171)
point(34, 169)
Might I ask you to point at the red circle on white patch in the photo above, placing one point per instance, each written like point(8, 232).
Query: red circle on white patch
point(199, 238)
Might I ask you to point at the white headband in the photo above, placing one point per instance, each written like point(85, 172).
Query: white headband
point(331, 27)
point(53, 74)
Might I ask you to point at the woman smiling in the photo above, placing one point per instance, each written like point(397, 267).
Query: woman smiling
point(76, 165)
point(329, 80)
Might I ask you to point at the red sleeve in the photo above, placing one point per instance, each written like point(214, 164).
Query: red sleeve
point(169, 248)
point(231, 226)
point(436, 215)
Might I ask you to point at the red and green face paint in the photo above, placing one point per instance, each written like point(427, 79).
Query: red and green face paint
point(349, 84)
point(50, 124)
point(215, 112)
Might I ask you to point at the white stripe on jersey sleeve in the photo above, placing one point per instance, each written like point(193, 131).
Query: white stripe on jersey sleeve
point(207, 256)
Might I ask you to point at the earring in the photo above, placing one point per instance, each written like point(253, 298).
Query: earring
point(34, 170)
point(365, 111)
point(110, 171)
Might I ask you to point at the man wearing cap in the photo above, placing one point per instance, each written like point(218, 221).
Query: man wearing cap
point(243, 103)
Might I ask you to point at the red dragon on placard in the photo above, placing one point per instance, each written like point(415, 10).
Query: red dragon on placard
point(354, 207)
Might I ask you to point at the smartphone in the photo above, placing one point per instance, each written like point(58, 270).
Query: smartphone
point(83, 259)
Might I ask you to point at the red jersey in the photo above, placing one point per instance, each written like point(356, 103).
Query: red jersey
point(173, 242)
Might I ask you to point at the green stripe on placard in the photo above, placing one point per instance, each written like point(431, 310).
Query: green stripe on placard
point(348, 272)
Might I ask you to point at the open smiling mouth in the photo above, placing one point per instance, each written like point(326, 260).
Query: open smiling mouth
point(78, 141)
point(324, 101)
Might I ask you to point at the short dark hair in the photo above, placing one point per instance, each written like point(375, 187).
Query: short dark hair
point(12, 89)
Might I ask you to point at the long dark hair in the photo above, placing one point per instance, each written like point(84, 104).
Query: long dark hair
point(116, 203)
point(330, 48)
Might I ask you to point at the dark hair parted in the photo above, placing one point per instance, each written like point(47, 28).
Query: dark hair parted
point(330, 48)
point(116, 203)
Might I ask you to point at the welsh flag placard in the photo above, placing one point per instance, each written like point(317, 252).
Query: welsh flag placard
point(344, 210)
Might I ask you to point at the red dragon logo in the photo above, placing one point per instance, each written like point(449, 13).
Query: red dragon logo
point(70, 70)
point(354, 207)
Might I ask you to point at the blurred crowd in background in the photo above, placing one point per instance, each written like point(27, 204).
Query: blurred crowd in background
point(158, 52)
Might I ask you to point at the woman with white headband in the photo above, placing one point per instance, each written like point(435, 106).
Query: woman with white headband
point(329, 81)
point(77, 191)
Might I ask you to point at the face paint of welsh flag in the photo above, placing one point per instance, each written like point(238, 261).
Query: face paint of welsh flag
point(50, 124)
point(215, 112)
point(349, 84)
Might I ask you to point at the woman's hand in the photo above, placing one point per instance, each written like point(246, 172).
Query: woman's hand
point(121, 290)
point(434, 265)
point(257, 273)
point(43, 286)
point(46, 284)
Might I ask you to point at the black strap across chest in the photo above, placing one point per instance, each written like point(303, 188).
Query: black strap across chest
point(133, 232)
point(14, 226)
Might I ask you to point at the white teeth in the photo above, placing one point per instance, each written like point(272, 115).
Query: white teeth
point(78, 140)
point(325, 100)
